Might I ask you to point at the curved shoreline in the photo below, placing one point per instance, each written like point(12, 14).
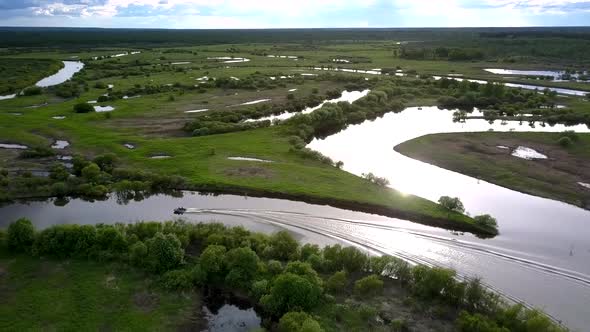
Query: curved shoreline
point(420, 218)
point(403, 149)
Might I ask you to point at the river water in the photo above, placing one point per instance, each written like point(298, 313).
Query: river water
point(64, 74)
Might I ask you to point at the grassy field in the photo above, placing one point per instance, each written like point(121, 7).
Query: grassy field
point(477, 155)
point(38, 294)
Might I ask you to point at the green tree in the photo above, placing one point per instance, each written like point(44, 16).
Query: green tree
point(291, 292)
point(296, 321)
point(283, 246)
point(353, 260)
point(369, 286)
point(164, 252)
point(213, 262)
point(83, 108)
point(337, 282)
point(451, 203)
point(486, 220)
point(138, 253)
point(242, 265)
point(91, 172)
point(21, 235)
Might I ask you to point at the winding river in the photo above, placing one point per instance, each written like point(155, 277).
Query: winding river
point(541, 256)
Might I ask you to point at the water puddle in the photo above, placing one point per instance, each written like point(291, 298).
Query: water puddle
point(283, 56)
point(254, 102)
point(70, 68)
point(58, 117)
point(100, 109)
point(347, 70)
point(197, 111)
point(250, 159)
point(227, 313)
point(8, 96)
point(227, 59)
point(527, 153)
point(60, 144)
point(13, 146)
point(555, 75)
point(161, 156)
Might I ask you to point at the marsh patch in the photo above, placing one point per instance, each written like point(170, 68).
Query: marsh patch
point(250, 171)
point(146, 301)
point(110, 282)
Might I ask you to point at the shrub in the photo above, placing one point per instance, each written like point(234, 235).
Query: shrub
point(366, 312)
point(177, 280)
point(20, 235)
point(486, 220)
point(369, 286)
point(337, 282)
point(242, 265)
point(83, 108)
point(291, 292)
point(111, 239)
point(137, 253)
point(213, 262)
point(308, 250)
point(476, 323)
point(32, 91)
point(274, 267)
point(565, 141)
point(429, 283)
point(91, 172)
point(380, 181)
point(259, 288)
point(451, 203)
point(303, 269)
point(164, 252)
point(353, 260)
point(282, 246)
point(37, 152)
point(298, 322)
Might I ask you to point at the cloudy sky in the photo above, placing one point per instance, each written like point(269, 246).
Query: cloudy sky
point(292, 14)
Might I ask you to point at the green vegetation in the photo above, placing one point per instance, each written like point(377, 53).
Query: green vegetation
point(171, 97)
point(172, 260)
point(478, 155)
point(17, 74)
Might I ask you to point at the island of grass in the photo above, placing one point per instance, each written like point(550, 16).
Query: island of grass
point(18, 74)
point(563, 176)
point(154, 276)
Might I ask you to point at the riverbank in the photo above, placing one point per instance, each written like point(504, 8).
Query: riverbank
point(488, 156)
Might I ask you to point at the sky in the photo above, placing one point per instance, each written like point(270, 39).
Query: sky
point(225, 14)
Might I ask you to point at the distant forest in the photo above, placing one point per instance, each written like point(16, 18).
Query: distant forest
point(92, 37)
